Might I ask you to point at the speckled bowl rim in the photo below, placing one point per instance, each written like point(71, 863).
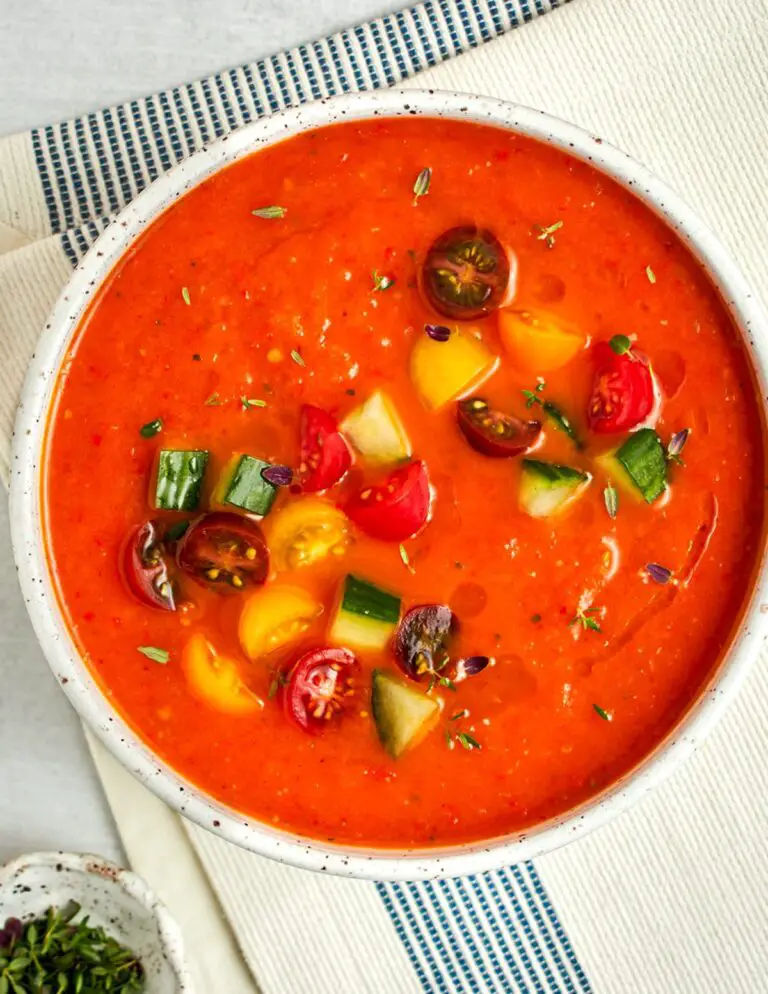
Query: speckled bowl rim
point(36, 581)
point(171, 941)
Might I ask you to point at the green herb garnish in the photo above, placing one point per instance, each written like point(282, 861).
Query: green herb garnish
point(467, 741)
point(270, 213)
point(151, 428)
point(248, 402)
point(278, 680)
point(650, 274)
point(381, 283)
point(156, 655)
point(405, 559)
point(421, 185)
point(611, 498)
point(297, 358)
point(547, 234)
point(621, 344)
point(459, 714)
point(602, 712)
point(53, 955)
point(185, 296)
point(535, 618)
point(585, 619)
point(445, 682)
point(213, 401)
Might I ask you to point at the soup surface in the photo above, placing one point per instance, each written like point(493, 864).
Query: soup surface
point(395, 365)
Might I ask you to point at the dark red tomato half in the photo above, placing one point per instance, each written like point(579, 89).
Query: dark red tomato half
point(144, 566)
point(325, 456)
point(224, 551)
point(319, 687)
point(467, 273)
point(396, 508)
point(493, 433)
point(623, 394)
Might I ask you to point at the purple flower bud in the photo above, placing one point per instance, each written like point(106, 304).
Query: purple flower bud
point(278, 476)
point(659, 574)
point(438, 332)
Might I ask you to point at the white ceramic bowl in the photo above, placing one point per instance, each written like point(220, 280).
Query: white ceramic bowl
point(27, 459)
point(116, 899)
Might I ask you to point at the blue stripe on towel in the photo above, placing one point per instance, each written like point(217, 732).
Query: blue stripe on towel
point(496, 933)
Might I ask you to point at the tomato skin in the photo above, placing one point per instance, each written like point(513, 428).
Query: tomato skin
point(623, 392)
point(325, 455)
point(395, 509)
point(144, 567)
point(316, 688)
point(493, 433)
point(224, 551)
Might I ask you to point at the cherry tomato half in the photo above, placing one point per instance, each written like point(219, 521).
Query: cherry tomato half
point(319, 685)
point(623, 392)
point(467, 273)
point(325, 456)
point(493, 433)
point(395, 509)
point(224, 551)
point(145, 567)
point(423, 638)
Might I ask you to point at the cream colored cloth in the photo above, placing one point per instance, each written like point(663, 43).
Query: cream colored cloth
point(672, 896)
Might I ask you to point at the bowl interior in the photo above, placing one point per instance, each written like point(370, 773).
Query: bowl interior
point(29, 454)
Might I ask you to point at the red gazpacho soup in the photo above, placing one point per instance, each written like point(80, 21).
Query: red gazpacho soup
point(405, 483)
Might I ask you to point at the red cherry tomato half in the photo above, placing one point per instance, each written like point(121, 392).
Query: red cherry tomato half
point(319, 686)
point(493, 433)
point(623, 394)
point(325, 456)
point(144, 565)
point(224, 551)
point(467, 273)
point(395, 509)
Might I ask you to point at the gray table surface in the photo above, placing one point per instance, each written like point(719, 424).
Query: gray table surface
point(57, 60)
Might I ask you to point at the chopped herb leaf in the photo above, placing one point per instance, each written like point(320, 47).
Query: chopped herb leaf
point(185, 296)
point(156, 655)
point(602, 712)
point(650, 274)
point(467, 741)
point(381, 282)
point(197, 357)
point(459, 714)
point(535, 618)
point(405, 559)
point(297, 358)
point(621, 344)
point(585, 619)
point(270, 213)
point(445, 682)
point(530, 398)
point(151, 428)
point(547, 234)
point(213, 401)
point(611, 498)
point(247, 402)
point(278, 680)
point(350, 391)
point(422, 184)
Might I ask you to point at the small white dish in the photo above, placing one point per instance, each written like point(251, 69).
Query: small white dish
point(113, 898)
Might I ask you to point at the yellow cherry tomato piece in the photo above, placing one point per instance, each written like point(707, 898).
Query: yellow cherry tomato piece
point(537, 341)
point(275, 616)
point(446, 371)
point(215, 680)
point(305, 531)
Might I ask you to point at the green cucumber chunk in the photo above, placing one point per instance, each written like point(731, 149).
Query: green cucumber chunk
point(403, 715)
point(179, 481)
point(367, 616)
point(546, 488)
point(642, 457)
point(246, 488)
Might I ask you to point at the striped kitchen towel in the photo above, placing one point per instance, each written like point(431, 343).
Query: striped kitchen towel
point(671, 896)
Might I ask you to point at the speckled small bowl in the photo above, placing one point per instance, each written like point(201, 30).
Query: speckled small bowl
point(113, 898)
point(29, 456)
